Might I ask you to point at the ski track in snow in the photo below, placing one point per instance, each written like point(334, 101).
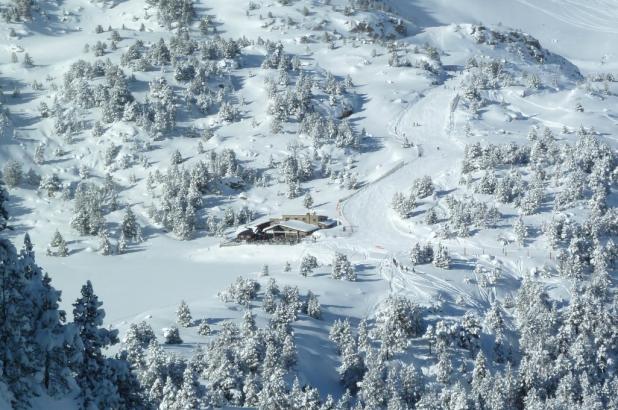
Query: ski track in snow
point(435, 114)
point(595, 15)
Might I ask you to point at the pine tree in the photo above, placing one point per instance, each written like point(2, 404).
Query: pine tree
point(342, 268)
point(373, 388)
point(363, 342)
point(313, 306)
point(176, 158)
point(28, 61)
point(121, 246)
point(442, 258)
point(105, 246)
point(183, 315)
point(274, 394)
point(431, 217)
point(479, 380)
point(352, 367)
point(307, 264)
point(445, 368)
point(308, 201)
point(169, 395)
point(39, 154)
point(129, 227)
point(4, 215)
point(521, 231)
point(248, 326)
point(12, 174)
point(190, 394)
point(288, 351)
point(203, 329)
point(93, 371)
point(172, 336)
point(36, 347)
point(57, 246)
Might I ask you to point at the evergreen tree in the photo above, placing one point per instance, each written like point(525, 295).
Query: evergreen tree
point(372, 388)
point(308, 201)
point(313, 306)
point(444, 368)
point(352, 368)
point(129, 227)
point(431, 217)
point(36, 347)
point(307, 264)
point(521, 231)
point(12, 174)
point(441, 258)
point(190, 394)
point(4, 215)
point(342, 268)
point(94, 374)
point(172, 336)
point(274, 394)
point(183, 315)
point(105, 246)
point(479, 380)
point(121, 246)
point(57, 246)
point(203, 329)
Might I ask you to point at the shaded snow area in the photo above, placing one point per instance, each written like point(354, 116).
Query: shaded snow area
point(295, 204)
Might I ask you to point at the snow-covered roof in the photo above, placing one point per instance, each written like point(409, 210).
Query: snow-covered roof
point(241, 229)
point(295, 225)
point(254, 224)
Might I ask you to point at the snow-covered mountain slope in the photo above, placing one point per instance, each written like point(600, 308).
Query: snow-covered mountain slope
point(484, 131)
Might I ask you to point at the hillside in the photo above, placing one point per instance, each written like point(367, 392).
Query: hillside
point(467, 153)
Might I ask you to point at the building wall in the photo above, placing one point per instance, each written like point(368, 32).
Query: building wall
point(308, 218)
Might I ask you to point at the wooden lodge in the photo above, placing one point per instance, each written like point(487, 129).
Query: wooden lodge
point(287, 228)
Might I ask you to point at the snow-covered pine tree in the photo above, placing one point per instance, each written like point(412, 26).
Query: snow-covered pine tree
point(480, 387)
point(307, 264)
point(12, 173)
point(308, 201)
point(121, 245)
point(520, 230)
point(94, 371)
point(398, 320)
point(288, 351)
point(172, 336)
point(36, 347)
point(176, 158)
point(373, 388)
point(444, 369)
point(352, 367)
point(191, 393)
point(431, 217)
point(313, 306)
point(183, 315)
point(129, 226)
point(441, 258)
point(423, 187)
point(4, 215)
point(402, 205)
point(57, 246)
point(342, 268)
point(105, 246)
point(203, 329)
